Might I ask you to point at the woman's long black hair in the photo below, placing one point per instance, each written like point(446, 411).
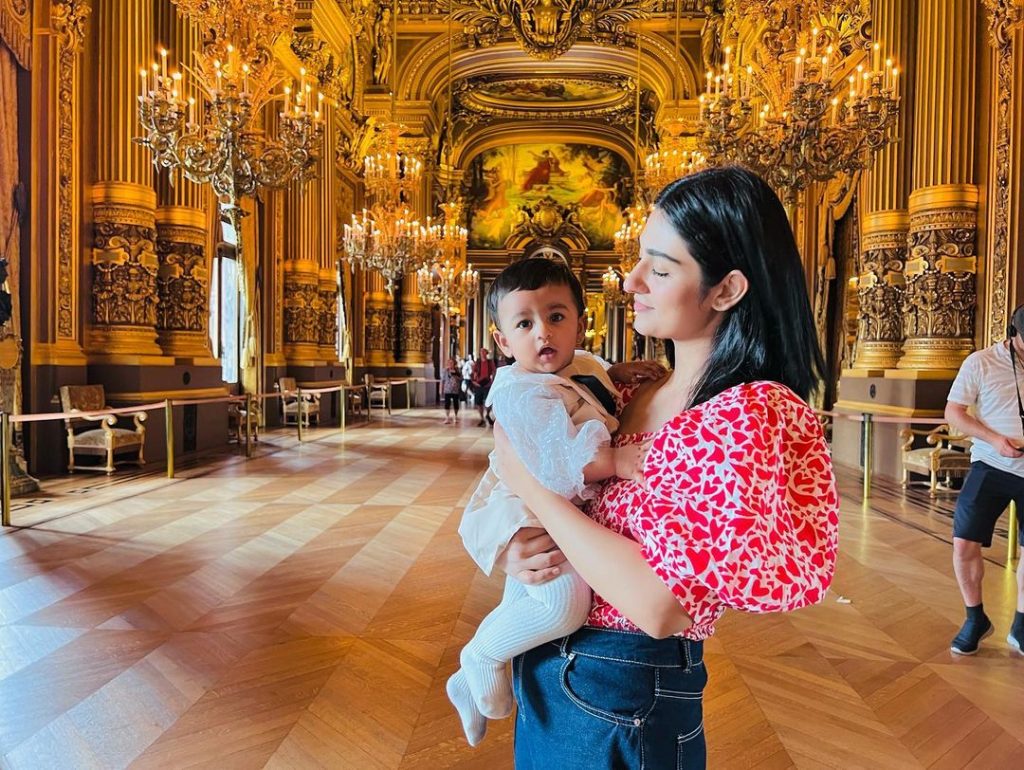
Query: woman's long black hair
point(730, 220)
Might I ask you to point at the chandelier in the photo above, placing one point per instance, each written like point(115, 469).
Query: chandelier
point(670, 163)
point(627, 237)
point(388, 237)
point(675, 158)
point(216, 136)
point(211, 125)
point(449, 281)
point(611, 287)
point(810, 102)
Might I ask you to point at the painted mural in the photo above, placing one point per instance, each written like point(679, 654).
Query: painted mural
point(549, 90)
point(506, 178)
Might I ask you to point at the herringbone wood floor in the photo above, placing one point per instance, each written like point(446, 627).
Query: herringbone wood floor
point(304, 609)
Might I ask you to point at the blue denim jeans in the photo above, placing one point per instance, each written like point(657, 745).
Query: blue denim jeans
point(603, 699)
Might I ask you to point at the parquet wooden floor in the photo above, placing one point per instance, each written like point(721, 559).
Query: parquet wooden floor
point(304, 609)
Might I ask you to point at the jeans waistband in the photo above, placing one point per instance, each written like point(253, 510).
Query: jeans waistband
point(632, 647)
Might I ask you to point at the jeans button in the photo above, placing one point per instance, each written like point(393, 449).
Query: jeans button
point(636, 722)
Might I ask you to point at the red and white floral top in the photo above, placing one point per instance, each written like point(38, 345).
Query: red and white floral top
point(739, 507)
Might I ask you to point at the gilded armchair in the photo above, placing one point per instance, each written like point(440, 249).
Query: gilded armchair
point(308, 406)
point(107, 441)
point(947, 454)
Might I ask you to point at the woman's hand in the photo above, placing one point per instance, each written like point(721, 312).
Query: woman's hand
point(632, 372)
point(531, 557)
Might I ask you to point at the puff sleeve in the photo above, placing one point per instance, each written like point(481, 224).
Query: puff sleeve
point(743, 503)
point(552, 448)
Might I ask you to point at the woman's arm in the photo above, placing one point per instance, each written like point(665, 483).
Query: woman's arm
point(630, 585)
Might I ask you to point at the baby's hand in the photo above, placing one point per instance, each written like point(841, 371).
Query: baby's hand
point(632, 372)
point(629, 461)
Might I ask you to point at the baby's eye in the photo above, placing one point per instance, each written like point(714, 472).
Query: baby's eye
point(556, 317)
point(524, 324)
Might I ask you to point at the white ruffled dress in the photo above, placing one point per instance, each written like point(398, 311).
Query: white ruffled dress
point(556, 426)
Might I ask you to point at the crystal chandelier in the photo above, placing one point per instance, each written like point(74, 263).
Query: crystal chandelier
point(387, 237)
point(611, 287)
point(801, 108)
point(676, 156)
point(670, 163)
point(449, 281)
point(211, 126)
point(217, 136)
point(627, 237)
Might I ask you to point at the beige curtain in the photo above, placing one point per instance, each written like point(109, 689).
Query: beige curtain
point(10, 347)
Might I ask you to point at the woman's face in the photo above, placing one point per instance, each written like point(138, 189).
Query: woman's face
point(669, 301)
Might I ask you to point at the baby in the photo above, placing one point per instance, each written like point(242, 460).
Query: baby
point(556, 405)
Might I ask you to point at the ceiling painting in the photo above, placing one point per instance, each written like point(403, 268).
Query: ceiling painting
point(506, 182)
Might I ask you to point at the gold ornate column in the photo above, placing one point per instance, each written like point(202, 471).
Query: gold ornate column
point(940, 299)
point(301, 290)
point(379, 322)
point(124, 261)
point(183, 277)
point(56, 182)
point(414, 325)
point(327, 275)
point(884, 192)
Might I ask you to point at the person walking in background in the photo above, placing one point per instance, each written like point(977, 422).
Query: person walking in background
point(467, 375)
point(480, 384)
point(451, 387)
point(989, 382)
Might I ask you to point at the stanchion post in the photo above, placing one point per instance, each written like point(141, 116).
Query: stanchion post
point(1012, 544)
point(169, 426)
point(869, 451)
point(301, 409)
point(5, 453)
point(408, 395)
point(342, 403)
point(248, 424)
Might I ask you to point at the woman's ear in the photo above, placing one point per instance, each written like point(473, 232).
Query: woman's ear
point(729, 291)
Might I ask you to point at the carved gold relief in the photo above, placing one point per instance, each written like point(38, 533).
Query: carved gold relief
point(546, 29)
point(183, 311)
point(1003, 17)
point(940, 297)
point(328, 328)
point(416, 333)
point(301, 311)
point(880, 287)
point(380, 330)
point(124, 266)
point(67, 18)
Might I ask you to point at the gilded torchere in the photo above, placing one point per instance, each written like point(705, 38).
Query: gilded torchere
point(941, 295)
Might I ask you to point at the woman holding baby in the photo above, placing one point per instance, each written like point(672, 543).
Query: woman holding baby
point(737, 507)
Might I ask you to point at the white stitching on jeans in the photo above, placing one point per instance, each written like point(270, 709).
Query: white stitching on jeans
point(606, 716)
point(692, 734)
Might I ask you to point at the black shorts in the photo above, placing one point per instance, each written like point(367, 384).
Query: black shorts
point(986, 493)
point(480, 393)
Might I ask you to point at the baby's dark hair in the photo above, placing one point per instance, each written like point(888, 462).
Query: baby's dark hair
point(532, 274)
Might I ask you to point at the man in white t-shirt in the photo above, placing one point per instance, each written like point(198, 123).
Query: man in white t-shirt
point(988, 382)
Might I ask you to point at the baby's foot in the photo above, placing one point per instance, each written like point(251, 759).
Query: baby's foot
point(488, 681)
point(473, 723)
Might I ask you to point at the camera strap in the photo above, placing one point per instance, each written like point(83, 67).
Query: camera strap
point(1016, 382)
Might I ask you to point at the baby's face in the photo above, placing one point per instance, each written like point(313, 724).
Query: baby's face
point(539, 328)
